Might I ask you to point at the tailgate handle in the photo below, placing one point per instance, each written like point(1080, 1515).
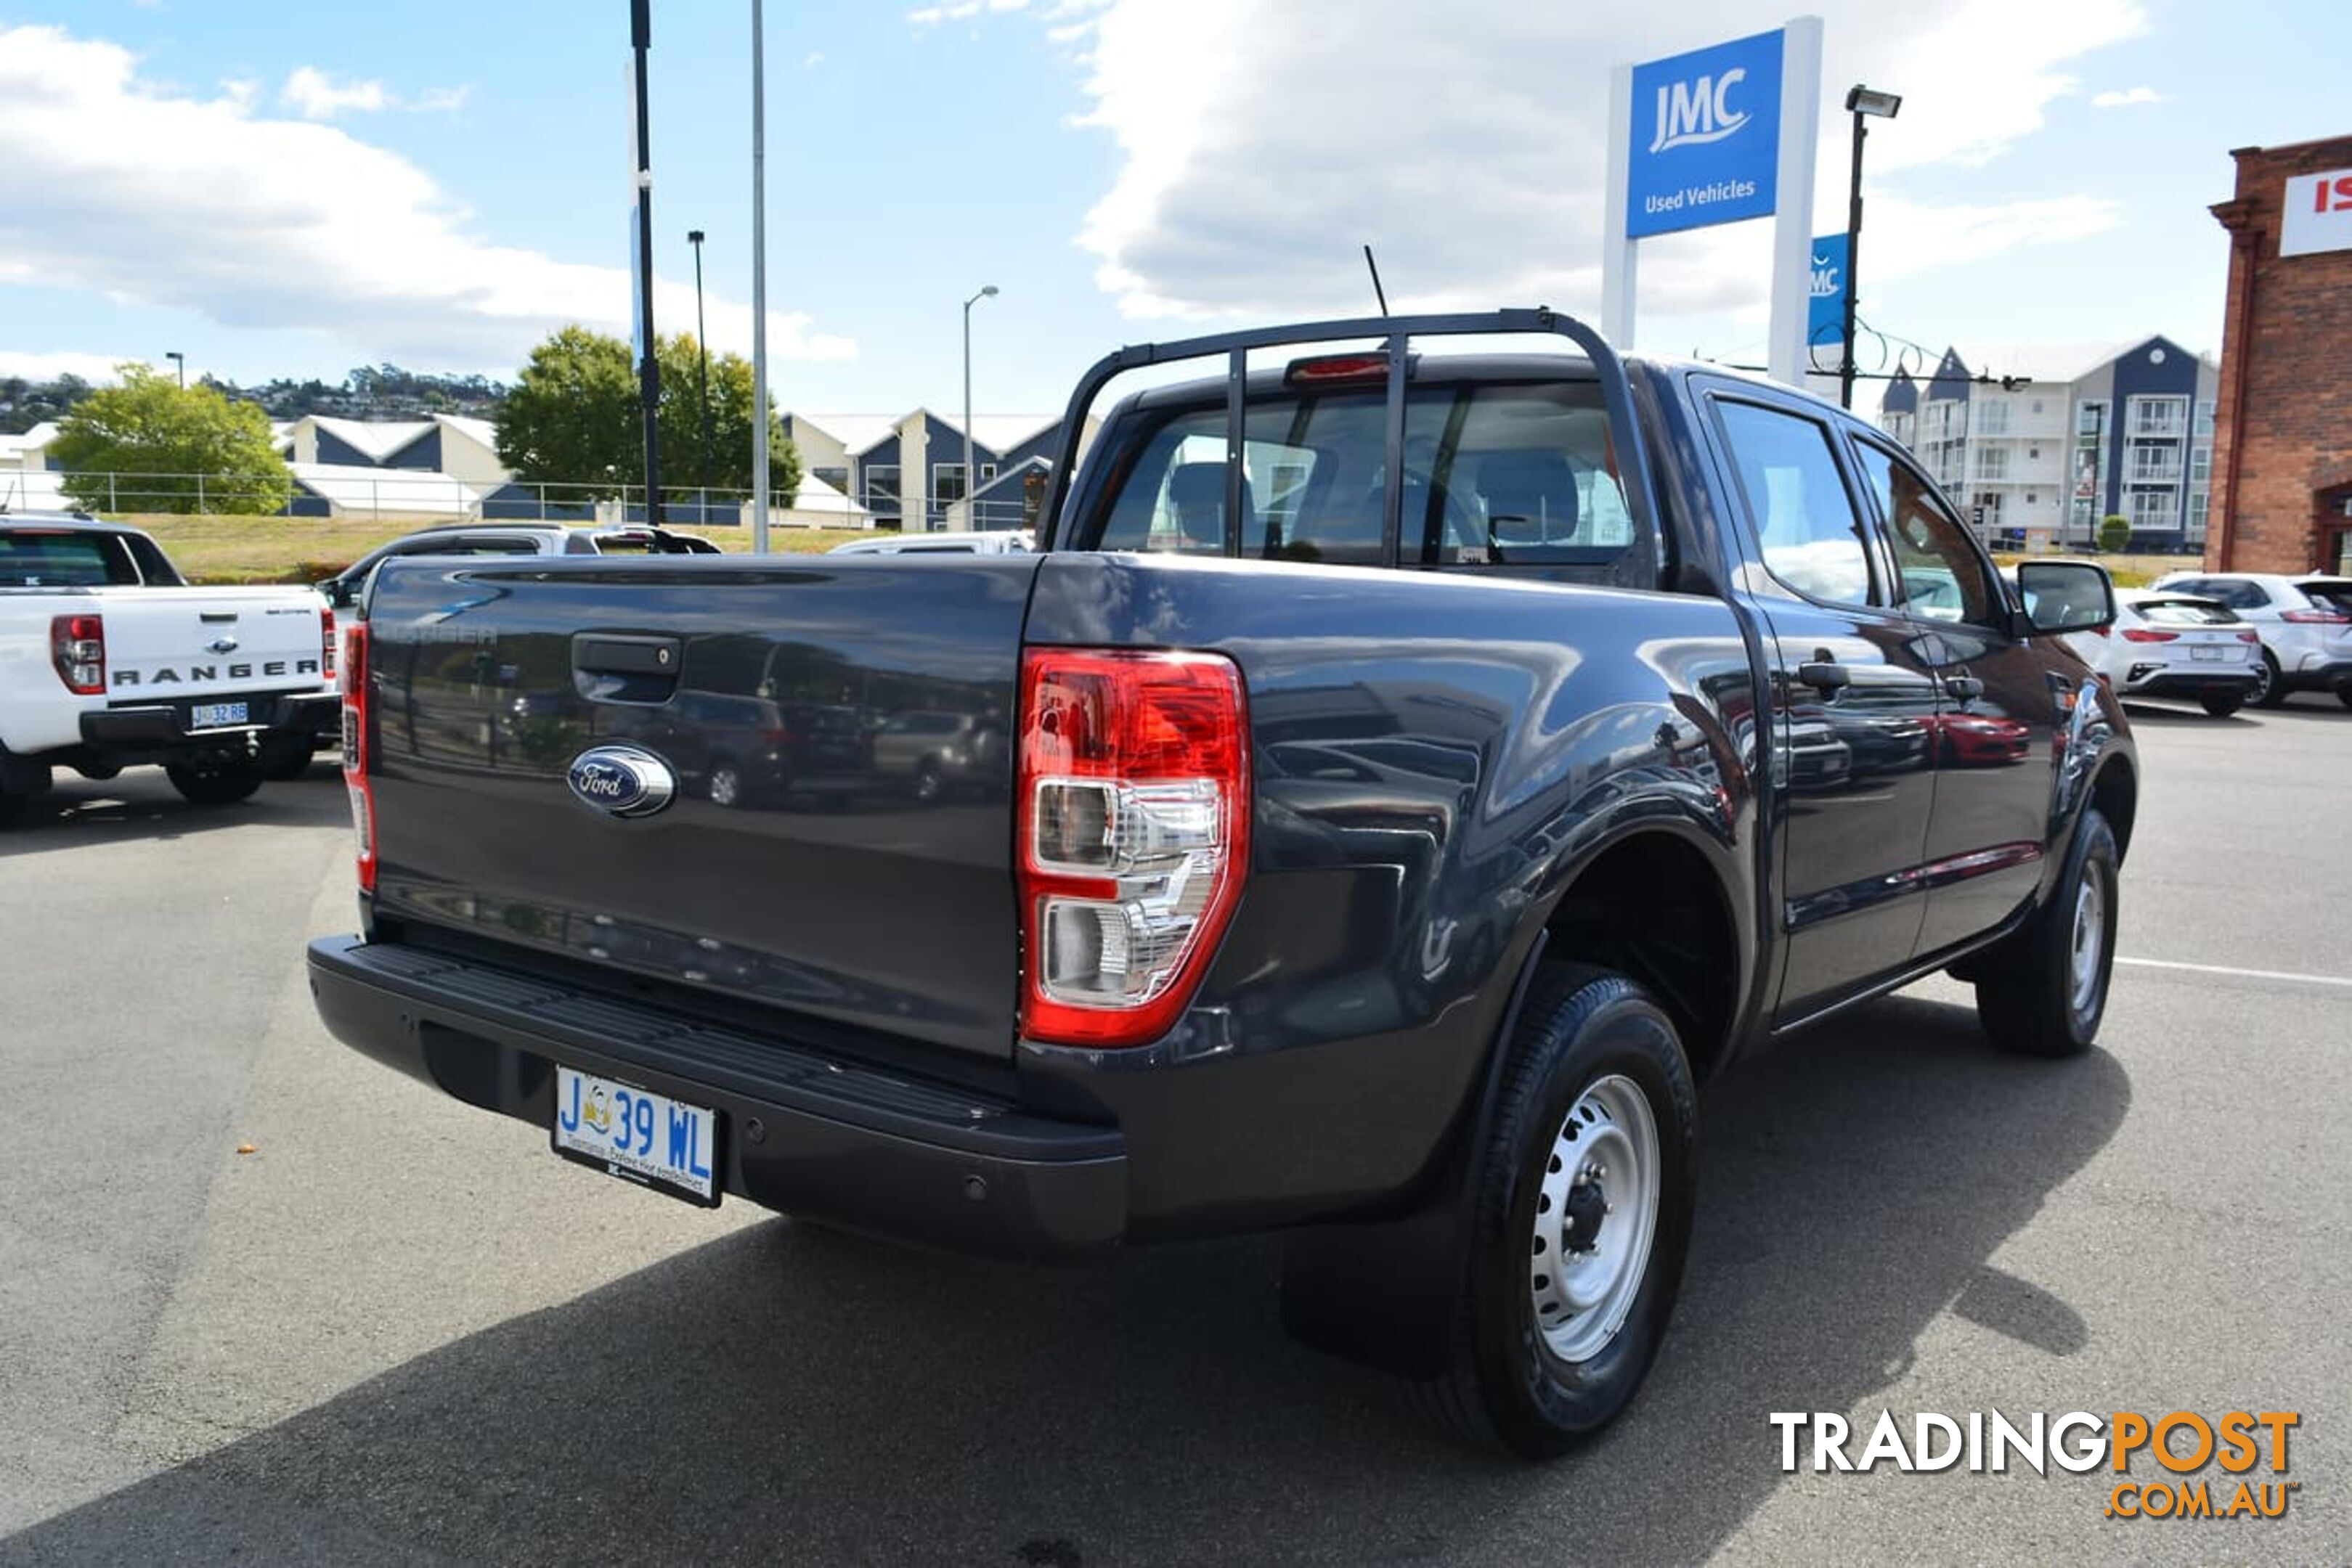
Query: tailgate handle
point(598, 655)
point(215, 617)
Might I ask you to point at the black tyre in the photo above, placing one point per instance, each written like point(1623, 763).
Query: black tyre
point(2222, 703)
point(2344, 696)
point(1580, 1215)
point(214, 783)
point(14, 807)
point(2270, 686)
point(2044, 991)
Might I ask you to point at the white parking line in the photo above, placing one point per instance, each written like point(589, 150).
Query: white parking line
point(2242, 974)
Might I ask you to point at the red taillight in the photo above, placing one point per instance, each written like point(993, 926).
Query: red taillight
point(2142, 634)
point(354, 680)
point(327, 643)
point(1134, 837)
point(2318, 617)
point(78, 652)
point(2249, 636)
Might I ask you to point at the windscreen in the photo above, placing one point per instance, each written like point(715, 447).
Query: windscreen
point(37, 558)
point(1495, 475)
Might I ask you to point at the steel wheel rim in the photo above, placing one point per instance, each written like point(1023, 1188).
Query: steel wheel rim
point(2089, 940)
point(1605, 1151)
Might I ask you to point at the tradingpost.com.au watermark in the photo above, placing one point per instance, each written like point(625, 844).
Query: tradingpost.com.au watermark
point(2249, 1445)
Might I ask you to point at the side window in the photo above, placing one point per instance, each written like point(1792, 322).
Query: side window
point(1805, 523)
point(2247, 596)
point(1943, 575)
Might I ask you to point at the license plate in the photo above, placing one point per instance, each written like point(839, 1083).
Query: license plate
point(636, 1134)
point(2206, 654)
point(212, 715)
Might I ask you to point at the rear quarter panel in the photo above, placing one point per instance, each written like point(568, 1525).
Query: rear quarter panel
point(1434, 757)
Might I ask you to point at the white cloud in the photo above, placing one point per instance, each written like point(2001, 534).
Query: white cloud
point(1262, 145)
point(114, 185)
point(2126, 98)
point(314, 95)
point(96, 369)
point(812, 60)
point(929, 16)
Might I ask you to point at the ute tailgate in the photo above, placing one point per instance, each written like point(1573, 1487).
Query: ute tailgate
point(839, 842)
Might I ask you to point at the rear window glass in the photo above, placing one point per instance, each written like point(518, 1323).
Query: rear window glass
point(2183, 612)
point(33, 559)
point(1494, 475)
point(2336, 596)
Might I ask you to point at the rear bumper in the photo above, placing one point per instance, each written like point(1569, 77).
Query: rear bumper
point(162, 726)
point(2189, 682)
point(800, 1131)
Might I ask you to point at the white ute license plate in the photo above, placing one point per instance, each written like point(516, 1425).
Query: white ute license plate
point(212, 715)
point(636, 1136)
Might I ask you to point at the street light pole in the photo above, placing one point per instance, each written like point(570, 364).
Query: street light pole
point(649, 365)
point(179, 362)
point(1861, 102)
point(703, 345)
point(970, 506)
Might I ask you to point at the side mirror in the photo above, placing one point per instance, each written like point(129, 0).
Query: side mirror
point(2066, 596)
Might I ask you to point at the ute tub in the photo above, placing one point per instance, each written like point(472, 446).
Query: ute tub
point(800, 1130)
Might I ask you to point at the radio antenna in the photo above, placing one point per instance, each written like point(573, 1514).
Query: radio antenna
point(1378, 292)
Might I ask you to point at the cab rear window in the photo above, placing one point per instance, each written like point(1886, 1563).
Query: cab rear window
point(1495, 475)
point(35, 557)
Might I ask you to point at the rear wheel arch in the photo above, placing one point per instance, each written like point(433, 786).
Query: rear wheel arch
point(1654, 907)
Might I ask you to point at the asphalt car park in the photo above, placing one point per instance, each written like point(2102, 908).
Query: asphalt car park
point(260, 1296)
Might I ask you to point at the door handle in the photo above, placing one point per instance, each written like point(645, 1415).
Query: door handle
point(1963, 688)
point(1823, 676)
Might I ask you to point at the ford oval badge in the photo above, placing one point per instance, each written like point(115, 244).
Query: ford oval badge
point(622, 780)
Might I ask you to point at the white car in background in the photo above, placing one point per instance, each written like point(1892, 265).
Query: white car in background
point(1000, 541)
point(2167, 643)
point(2304, 621)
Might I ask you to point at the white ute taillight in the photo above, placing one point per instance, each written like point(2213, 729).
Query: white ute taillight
point(1134, 837)
point(78, 650)
point(355, 780)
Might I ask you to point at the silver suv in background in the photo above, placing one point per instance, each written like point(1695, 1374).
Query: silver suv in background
point(2304, 622)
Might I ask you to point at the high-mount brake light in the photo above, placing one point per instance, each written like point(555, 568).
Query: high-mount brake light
point(355, 682)
point(1133, 837)
point(1326, 368)
point(78, 653)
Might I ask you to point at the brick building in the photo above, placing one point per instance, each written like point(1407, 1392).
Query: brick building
point(2282, 497)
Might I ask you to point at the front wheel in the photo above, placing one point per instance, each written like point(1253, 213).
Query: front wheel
point(2222, 703)
point(216, 782)
point(1580, 1219)
point(2344, 696)
point(2044, 992)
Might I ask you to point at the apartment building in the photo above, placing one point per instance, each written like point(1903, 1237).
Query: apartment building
point(2037, 443)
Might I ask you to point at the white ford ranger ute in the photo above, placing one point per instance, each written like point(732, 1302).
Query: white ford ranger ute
point(110, 660)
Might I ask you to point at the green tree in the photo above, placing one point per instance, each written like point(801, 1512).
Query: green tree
point(152, 445)
point(574, 417)
point(2115, 532)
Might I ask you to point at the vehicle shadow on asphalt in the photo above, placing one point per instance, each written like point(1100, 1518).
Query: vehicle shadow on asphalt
point(792, 1395)
point(139, 805)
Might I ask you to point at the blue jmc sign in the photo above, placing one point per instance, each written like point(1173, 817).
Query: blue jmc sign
point(1825, 291)
point(1706, 142)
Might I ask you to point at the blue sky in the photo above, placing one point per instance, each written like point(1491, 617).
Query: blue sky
point(295, 189)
